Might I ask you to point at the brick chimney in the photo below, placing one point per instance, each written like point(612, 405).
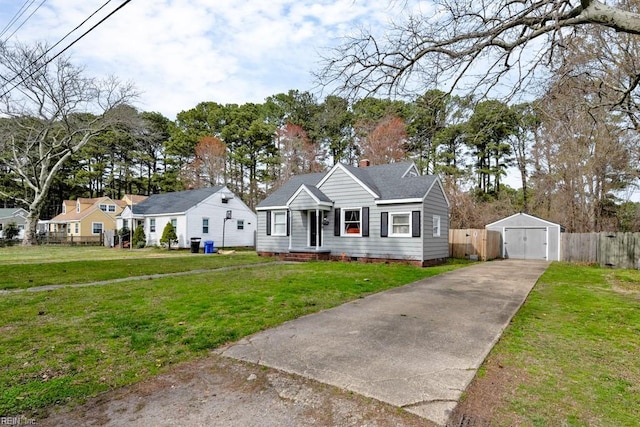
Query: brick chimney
point(364, 163)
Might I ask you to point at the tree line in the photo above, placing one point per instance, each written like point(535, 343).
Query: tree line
point(575, 147)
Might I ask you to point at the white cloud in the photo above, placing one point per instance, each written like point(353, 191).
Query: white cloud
point(182, 52)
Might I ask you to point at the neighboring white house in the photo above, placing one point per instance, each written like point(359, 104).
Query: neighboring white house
point(211, 214)
point(13, 215)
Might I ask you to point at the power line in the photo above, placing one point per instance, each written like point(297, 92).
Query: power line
point(26, 19)
point(17, 16)
point(66, 48)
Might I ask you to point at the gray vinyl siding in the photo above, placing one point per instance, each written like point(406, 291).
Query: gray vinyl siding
point(435, 204)
point(266, 243)
point(303, 201)
point(346, 193)
point(299, 223)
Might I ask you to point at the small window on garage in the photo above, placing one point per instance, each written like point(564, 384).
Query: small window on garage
point(436, 226)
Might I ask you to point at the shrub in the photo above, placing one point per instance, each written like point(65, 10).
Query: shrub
point(169, 235)
point(139, 238)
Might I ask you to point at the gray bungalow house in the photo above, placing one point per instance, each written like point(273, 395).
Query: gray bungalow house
point(368, 213)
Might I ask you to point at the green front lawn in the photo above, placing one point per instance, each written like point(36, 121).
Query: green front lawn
point(27, 275)
point(574, 348)
point(71, 343)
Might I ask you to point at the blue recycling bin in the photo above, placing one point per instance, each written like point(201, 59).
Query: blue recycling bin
point(208, 247)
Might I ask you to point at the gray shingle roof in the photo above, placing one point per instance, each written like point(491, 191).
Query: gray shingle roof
point(386, 181)
point(177, 202)
point(284, 193)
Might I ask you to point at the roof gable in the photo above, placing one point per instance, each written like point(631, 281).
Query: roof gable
point(318, 196)
point(530, 219)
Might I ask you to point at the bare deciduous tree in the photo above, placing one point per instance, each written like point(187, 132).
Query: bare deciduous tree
point(50, 110)
point(468, 44)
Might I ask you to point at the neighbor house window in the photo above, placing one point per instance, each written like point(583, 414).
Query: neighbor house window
point(241, 224)
point(125, 223)
point(205, 225)
point(351, 222)
point(279, 224)
point(436, 226)
point(77, 228)
point(400, 224)
point(174, 222)
point(152, 225)
point(103, 207)
point(96, 227)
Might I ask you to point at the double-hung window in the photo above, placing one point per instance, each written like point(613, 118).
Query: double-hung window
point(351, 222)
point(400, 224)
point(279, 223)
point(152, 225)
point(205, 225)
point(96, 227)
point(241, 224)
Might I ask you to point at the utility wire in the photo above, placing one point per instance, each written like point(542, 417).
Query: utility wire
point(7, 82)
point(65, 49)
point(17, 16)
point(26, 19)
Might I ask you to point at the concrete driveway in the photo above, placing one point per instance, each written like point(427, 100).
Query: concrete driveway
point(416, 347)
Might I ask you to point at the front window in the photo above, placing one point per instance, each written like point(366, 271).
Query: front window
point(400, 224)
point(279, 224)
point(241, 224)
point(205, 225)
point(351, 222)
point(436, 226)
point(96, 228)
point(152, 225)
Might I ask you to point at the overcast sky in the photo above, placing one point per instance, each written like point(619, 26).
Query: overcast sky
point(182, 52)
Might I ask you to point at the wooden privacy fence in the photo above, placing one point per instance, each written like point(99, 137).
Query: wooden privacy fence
point(616, 250)
point(474, 243)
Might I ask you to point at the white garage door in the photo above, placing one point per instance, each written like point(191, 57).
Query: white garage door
point(525, 243)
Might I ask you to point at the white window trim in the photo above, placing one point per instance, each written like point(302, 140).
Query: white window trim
point(111, 208)
point(273, 223)
point(394, 214)
point(208, 225)
point(343, 212)
point(152, 223)
point(436, 226)
point(93, 228)
point(240, 224)
point(174, 222)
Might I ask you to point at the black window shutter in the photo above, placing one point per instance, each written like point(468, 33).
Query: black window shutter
point(365, 222)
point(384, 224)
point(415, 224)
point(336, 222)
point(288, 222)
point(268, 222)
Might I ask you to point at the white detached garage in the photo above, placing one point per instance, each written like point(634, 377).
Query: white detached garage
point(528, 237)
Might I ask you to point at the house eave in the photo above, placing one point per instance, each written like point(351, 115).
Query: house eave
point(399, 201)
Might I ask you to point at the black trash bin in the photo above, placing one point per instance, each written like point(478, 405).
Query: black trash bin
point(195, 245)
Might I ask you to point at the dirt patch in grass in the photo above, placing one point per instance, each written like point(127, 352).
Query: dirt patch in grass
point(220, 391)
